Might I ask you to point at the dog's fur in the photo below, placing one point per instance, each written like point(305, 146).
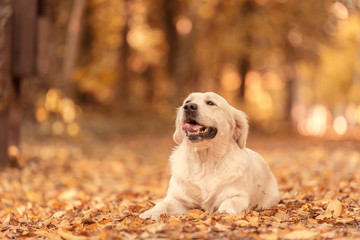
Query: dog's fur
point(217, 173)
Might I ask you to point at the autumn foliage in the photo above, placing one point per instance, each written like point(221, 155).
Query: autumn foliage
point(98, 188)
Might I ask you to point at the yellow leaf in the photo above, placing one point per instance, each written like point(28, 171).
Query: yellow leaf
point(300, 196)
point(155, 227)
point(306, 207)
point(218, 227)
point(201, 226)
point(105, 221)
point(32, 218)
point(279, 220)
point(59, 214)
point(253, 220)
point(272, 236)
point(68, 195)
point(344, 220)
point(242, 223)
point(311, 220)
point(64, 224)
point(334, 209)
point(42, 233)
point(174, 221)
point(69, 236)
point(92, 226)
point(320, 217)
point(230, 218)
point(300, 234)
point(282, 215)
point(48, 221)
point(194, 213)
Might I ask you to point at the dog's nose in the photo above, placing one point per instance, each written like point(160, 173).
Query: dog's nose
point(190, 107)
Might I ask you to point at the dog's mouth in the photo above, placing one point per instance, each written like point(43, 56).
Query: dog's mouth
point(195, 131)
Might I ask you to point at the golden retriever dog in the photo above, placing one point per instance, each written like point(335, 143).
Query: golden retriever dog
point(211, 167)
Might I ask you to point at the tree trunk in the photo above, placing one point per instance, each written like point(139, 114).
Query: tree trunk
point(171, 37)
point(244, 68)
point(123, 83)
point(290, 80)
point(5, 78)
point(14, 123)
point(72, 42)
point(244, 63)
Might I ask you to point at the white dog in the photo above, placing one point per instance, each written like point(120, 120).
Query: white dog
point(211, 168)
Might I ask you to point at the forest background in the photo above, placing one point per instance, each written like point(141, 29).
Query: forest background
point(94, 85)
point(285, 63)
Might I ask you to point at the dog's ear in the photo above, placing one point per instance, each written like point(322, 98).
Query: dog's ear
point(241, 129)
point(178, 135)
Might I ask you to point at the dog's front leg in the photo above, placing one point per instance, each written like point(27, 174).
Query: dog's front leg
point(169, 206)
point(235, 205)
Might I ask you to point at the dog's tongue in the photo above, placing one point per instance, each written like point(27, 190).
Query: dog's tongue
point(191, 127)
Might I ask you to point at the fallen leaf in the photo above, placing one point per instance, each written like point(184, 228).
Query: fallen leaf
point(242, 223)
point(300, 234)
point(334, 209)
point(92, 226)
point(68, 195)
point(218, 227)
point(69, 236)
point(344, 220)
point(105, 221)
point(58, 214)
point(201, 226)
point(195, 213)
point(253, 220)
point(156, 227)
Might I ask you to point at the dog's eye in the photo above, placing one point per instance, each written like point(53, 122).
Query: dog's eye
point(210, 103)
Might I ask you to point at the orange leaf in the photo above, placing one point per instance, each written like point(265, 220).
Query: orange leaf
point(92, 226)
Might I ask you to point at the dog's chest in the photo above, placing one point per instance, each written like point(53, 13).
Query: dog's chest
point(203, 189)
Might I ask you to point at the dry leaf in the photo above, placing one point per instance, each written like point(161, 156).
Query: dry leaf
point(218, 227)
point(300, 235)
point(242, 223)
point(344, 220)
point(58, 214)
point(68, 195)
point(69, 236)
point(92, 226)
point(253, 220)
point(80, 203)
point(156, 227)
point(334, 209)
point(195, 213)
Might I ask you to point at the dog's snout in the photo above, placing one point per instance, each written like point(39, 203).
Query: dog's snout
point(190, 107)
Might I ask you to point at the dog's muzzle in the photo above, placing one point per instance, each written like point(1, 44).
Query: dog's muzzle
point(194, 130)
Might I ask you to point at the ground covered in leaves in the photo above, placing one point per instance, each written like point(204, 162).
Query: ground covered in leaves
point(96, 187)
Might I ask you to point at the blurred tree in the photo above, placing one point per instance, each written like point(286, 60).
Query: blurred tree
point(72, 42)
point(20, 24)
point(263, 35)
point(137, 54)
point(5, 77)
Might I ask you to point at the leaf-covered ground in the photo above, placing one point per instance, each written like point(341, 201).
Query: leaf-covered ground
point(97, 187)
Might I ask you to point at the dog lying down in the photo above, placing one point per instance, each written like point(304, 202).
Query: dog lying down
point(211, 168)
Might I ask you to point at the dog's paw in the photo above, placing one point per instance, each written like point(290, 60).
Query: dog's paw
point(233, 206)
point(227, 209)
point(153, 215)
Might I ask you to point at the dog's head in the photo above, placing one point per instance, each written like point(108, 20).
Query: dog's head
point(206, 117)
